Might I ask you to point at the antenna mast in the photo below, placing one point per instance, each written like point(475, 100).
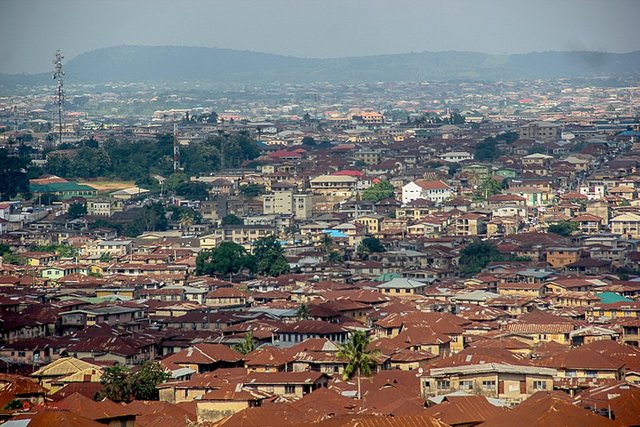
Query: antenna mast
point(58, 74)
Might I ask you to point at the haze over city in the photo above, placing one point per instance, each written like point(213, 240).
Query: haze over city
point(339, 213)
point(30, 30)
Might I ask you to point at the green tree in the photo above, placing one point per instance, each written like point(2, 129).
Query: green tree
point(564, 228)
point(193, 190)
point(227, 258)
point(77, 210)
point(116, 383)
point(269, 257)
point(369, 245)
point(326, 243)
point(232, 219)
point(252, 190)
point(489, 187)
point(13, 175)
point(303, 312)
point(360, 359)
point(334, 257)
point(105, 257)
point(380, 191)
point(144, 382)
point(247, 345)
point(148, 218)
point(487, 150)
point(477, 255)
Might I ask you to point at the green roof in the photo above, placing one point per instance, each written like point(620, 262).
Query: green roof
point(57, 187)
point(385, 277)
point(612, 297)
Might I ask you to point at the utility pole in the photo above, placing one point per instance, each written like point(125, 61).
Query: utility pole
point(58, 74)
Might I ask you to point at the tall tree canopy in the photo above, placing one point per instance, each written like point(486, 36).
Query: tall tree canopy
point(379, 191)
point(227, 258)
point(269, 257)
point(477, 255)
point(13, 175)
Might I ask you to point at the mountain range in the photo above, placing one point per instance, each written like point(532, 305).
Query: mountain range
point(224, 66)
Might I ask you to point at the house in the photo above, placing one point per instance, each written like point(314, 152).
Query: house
point(456, 156)
point(626, 225)
point(435, 191)
point(286, 384)
point(559, 257)
point(290, 334)
point(204, 358)
point(513, 383)
point(401, 287)
point(226, 298)
point(104, 207)
point(470, 224)
point(49, 375)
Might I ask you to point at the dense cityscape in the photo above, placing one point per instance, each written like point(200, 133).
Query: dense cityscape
point(452, 252)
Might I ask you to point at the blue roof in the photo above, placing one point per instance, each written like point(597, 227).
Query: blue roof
point(335, 233)
point(612, 297)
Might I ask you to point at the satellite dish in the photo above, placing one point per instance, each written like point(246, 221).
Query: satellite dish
point(26, 405)
point(420, 370)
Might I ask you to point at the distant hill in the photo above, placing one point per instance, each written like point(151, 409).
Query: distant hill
point(213, 65)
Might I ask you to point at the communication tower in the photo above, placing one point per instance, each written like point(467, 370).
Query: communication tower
point(58, 74)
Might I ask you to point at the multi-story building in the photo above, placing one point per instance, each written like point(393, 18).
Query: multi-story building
point(436, 191)
point(540, 131)
point(288, 203)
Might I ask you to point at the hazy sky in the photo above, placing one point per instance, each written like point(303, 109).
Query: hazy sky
point(31, 30)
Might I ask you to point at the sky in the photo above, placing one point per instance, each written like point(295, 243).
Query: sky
point(31, 30)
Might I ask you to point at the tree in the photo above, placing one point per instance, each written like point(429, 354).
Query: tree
point(145, 381)
point(360, 360)
point(477, 255)
point(116, 383)
point(334, 257)
point(247, 345)
point(564, 228)
point(252, 190)
point(269, 257)
point(326, 243)
point(487, 150)
point(369, 245)
point(232, 219)
point(303, 312)
point(105, 257)
point(148, 218)
point(489, 187)
point(77, 210)
point(227, 258)
point(193, 190)
point(13, 175)
point(380, 191)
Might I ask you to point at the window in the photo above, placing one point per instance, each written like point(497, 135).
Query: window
point(289, 389)
point(443, 384)
point(539, 385)
point(570, 374)
point(489, 385)
point(466, 385)
point(592, 374)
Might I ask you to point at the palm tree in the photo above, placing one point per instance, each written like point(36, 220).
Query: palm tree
point(247, 345)
point(326, 243)
point(186, 220)
point(359, 358)
point(303, 312)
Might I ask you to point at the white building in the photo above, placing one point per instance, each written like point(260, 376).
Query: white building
point(436, 191)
